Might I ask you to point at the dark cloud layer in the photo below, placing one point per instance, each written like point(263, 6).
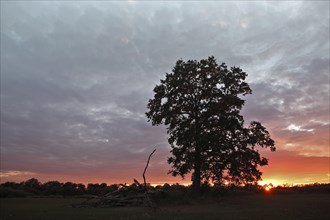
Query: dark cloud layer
point(76, 77)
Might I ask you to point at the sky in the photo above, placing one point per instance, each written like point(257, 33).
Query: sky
point(76, 78)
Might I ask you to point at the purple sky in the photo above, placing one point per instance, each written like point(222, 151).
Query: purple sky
point(76, 78)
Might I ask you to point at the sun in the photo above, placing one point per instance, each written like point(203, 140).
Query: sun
point(268, 187)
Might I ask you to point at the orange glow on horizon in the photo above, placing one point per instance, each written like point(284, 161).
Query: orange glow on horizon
point(285, 168)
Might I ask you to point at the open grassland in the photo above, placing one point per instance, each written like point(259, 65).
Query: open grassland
point(288, 206)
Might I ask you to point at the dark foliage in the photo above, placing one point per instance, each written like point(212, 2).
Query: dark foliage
point(34, 187)
point(307, 188)
point(200, 103)
point(176, 193)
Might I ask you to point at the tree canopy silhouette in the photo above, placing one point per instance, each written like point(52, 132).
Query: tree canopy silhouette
point(200, 103)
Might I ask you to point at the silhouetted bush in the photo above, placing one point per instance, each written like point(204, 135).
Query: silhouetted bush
point(309, 188)
point(52, 188)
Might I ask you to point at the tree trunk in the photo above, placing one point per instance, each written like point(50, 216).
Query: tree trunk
point(197, 178)
point(197, 157)
point(197, 160)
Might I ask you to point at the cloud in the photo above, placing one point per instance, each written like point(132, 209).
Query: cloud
point(14, 173)
point(76, 76)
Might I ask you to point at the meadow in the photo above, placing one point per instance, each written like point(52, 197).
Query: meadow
point(253, 206)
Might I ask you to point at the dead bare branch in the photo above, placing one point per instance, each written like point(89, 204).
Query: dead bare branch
point(145, 169)
point(126, 195)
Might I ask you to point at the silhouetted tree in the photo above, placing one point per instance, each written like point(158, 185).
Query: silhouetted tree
point(94, 189)
point(200, 103)
point(12, 185)
point(113, 187)
point(70, 188)
point(32, 185)
point(52, 188)
point(81, 188)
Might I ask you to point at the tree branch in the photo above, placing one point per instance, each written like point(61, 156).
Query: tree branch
point(145, 169)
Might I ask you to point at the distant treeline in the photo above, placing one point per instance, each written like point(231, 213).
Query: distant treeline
point(33, 187)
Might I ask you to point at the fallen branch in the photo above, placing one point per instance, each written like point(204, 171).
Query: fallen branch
point(136, 194)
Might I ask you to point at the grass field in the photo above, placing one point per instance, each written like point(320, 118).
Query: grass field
point(290, 206)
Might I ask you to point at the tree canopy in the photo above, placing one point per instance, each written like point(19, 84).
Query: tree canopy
point(200, 103)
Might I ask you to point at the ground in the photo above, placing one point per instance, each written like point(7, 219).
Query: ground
point(259, 206)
